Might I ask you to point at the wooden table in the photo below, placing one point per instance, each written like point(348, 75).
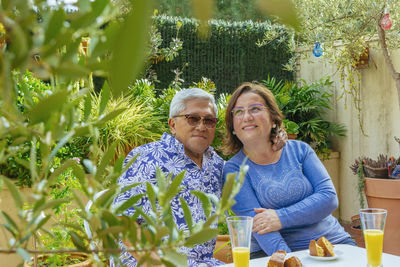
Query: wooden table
point(351, 256)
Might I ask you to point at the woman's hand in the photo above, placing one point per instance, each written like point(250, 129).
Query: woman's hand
point(265, 221)
point(279, 140)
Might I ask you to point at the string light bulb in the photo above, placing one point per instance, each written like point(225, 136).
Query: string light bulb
point(317, 51)
point(386, 23)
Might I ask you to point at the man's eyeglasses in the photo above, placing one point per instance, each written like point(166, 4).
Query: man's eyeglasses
point(194, 120)
point(254, 110)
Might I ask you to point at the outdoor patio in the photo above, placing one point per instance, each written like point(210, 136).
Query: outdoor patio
point(85, 82)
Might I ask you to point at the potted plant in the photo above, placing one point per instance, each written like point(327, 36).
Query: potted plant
point(75, 259)
point(58, 238)
point(381, 192)
point(305, 104)
point(291, 128)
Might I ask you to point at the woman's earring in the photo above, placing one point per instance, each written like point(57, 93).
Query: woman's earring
point(233, 132)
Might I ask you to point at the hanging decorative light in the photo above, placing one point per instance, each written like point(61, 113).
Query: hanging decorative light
point(386, 23)
point(317, 51)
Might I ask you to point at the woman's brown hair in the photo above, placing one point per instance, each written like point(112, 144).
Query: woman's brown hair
point(231, 144)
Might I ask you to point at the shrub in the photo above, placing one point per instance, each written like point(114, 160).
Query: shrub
point(138, 124)
point(306, 104)
point(58, 237)
point(30, 91)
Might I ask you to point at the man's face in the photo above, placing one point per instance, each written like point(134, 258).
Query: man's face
point(195, 139)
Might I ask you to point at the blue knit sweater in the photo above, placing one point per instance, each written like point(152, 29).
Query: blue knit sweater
point(299, 188)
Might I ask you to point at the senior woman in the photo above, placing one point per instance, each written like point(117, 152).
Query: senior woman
point(288, 192)
point(192, 122)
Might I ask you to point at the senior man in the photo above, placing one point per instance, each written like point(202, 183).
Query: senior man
point(192, 122)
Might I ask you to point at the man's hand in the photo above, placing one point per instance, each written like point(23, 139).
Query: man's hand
point(265, 221)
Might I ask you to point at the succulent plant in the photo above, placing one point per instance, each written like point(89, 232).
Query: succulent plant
point(380, 162)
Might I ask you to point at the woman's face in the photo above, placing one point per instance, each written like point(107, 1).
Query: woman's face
point(251, 119)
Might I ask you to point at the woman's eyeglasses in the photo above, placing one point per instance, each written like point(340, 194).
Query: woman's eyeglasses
point(254, 110)
point(194, 120)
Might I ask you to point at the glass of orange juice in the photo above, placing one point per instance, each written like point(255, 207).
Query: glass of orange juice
point(373, 224)
point(240, 234)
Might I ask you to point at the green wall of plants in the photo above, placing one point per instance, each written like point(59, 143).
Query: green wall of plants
point(229, 57)
point(237, 10)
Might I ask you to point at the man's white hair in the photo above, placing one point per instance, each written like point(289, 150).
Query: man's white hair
point(178, 103)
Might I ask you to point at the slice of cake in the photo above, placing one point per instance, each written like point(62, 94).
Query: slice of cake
point(277, 259)
point(315, 249)
point(293, 262)
point(327, 246)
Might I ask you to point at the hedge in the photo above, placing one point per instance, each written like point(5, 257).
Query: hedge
point(229, 57)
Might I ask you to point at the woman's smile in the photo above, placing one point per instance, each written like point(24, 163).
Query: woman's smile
point(249, 127)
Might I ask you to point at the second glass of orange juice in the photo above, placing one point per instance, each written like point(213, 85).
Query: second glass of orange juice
point(373, 224)
point(240, 234)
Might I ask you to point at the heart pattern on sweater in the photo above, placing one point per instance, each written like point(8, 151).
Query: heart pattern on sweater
point(285, 190)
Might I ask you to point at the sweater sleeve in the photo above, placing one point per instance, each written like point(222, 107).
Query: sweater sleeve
point(321, 203)
point(246, 201)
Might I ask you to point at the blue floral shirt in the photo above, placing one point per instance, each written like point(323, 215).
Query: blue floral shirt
point(168, 154)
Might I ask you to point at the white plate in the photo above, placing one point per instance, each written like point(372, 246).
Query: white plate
point(338, 253)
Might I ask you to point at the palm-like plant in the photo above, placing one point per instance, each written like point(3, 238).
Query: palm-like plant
point(306, 105)
point(138, 124)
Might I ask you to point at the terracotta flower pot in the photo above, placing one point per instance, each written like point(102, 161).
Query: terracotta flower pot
point(85, 261)
point(385, 194)
point(223, 249)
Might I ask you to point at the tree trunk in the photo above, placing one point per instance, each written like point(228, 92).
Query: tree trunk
point(388, 59)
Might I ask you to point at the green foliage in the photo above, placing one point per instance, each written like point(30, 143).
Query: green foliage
point(345, 28)
point(12, 169)
point(222, 225)
point(162, 103)
point(235, 10)
point(122, 68)
point(27, 87)
point(306, 105)
point(290, 127)
point(138, 124)
point(222, 103)
point(223, 228)
point(226, 10)
point(142, 90)
point(229, 57)
point(30, 91)
point(58, 237)
point(352, 22)
point(158, 52)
